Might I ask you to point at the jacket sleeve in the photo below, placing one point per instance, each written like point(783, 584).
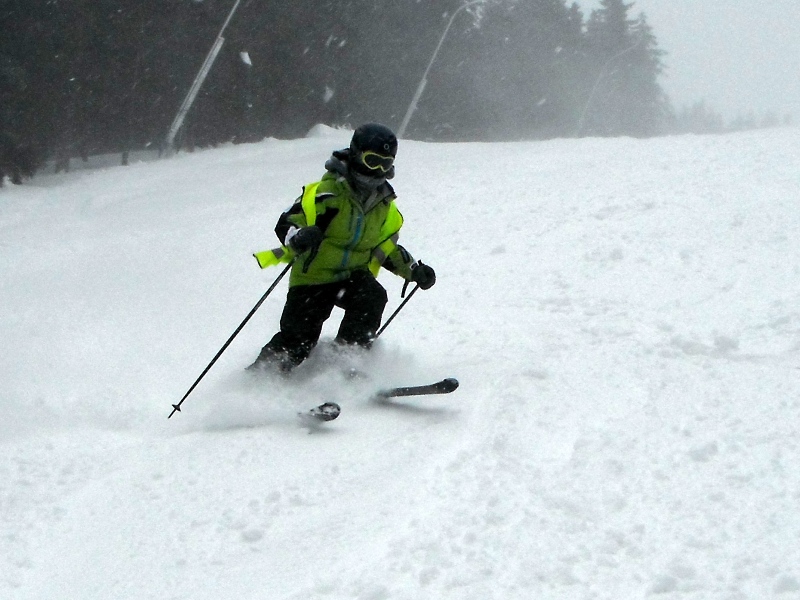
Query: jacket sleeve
point(399, 262)
point(293, 217)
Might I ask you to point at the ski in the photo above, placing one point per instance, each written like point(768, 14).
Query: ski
point(445, 386)
point(327, 411)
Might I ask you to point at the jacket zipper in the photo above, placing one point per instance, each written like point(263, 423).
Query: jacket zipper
point(356, 237)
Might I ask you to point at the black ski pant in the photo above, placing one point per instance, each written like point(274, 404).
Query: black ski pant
point(309, 306)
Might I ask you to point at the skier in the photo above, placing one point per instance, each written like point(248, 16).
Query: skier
point(339, 233)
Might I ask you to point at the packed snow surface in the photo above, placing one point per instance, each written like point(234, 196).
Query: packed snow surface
point(623, 316)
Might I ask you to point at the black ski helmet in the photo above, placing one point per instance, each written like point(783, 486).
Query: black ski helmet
point(369, 140)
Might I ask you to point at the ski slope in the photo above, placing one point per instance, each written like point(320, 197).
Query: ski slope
point(623, 316)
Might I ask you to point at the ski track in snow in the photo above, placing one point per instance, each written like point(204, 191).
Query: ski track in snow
point(622, 315)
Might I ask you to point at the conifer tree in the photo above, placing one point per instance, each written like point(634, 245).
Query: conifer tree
point(90, 76)
point(625, 98)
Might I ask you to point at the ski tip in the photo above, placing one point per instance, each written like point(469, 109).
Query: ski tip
point(450, 384)
point(323, 413)
point(329, 411)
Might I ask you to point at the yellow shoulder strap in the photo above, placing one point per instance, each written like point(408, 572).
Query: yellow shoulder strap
point(393, 222)
point(389, 234)
point(309, 202)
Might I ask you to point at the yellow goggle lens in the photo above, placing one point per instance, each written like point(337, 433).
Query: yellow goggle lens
point(374, 161)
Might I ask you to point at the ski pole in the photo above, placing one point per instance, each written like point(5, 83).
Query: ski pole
point(177, 407)
point(394, 314)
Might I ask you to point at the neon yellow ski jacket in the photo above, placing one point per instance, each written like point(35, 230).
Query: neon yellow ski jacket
point(356, 235)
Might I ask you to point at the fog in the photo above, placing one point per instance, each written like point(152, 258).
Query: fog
point(737, 55)
point(506, 70)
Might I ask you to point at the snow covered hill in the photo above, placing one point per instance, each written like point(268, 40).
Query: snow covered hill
point(623, 315)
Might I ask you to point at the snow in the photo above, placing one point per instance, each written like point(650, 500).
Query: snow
point(623, 316)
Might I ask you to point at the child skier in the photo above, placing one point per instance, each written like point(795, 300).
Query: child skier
point(339, 233)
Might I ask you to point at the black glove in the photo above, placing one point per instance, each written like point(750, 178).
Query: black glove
point(423, 275)
point(305, 239)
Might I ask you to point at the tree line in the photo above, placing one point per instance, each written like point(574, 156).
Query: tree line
point(81, 77)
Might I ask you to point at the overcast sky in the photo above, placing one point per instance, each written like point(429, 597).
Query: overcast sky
point(738, 55)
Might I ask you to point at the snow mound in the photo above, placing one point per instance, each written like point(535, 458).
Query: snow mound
point(326, 131)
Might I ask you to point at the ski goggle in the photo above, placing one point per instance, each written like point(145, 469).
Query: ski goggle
point(374, 161)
